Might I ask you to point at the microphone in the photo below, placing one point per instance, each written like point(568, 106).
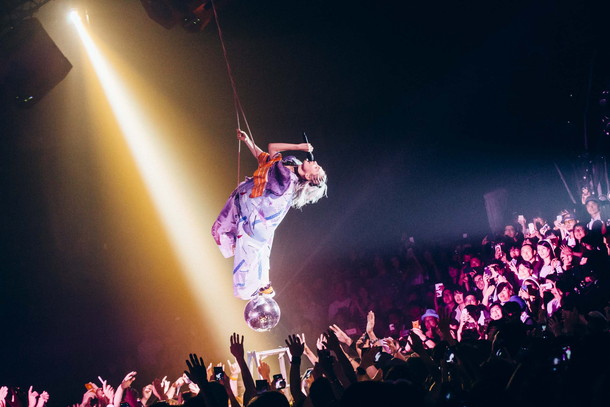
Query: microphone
point(309, 154)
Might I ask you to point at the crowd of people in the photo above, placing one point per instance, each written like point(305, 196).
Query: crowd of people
point(519, 319)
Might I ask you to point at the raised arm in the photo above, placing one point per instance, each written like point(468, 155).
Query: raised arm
point(274, 148)
point(254, 149)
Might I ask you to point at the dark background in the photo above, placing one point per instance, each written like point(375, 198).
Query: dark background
point(415, 110)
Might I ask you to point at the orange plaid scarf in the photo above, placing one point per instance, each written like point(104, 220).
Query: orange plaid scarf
point(260, 175)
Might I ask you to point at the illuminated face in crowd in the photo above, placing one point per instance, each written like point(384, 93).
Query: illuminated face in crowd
point(479, 282)
point(567, 257)
point(544, 251)
point(471, 299)
point(505, 294)
point(527, 253)
point(523, 272)
point(509, 231)
point(475, 262)
point(592, 208)
point(569, 224)
point(430, 323)
point(515, 252)
point(448, 296)
point(579, 232)
point(458, 297)
point(496, 312)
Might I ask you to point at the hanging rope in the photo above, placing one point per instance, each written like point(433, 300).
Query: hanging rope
point(236, 102)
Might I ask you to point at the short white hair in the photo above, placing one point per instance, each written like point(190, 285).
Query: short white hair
point(307, 193)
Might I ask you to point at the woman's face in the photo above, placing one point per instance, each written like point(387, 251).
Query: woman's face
point(495, 312)
point(544, 251)
point(524, 272)
point(311, 171)
point(579, 232)
point(505, 294)
point(447, 296)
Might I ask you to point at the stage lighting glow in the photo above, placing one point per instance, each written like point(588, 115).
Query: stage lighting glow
point(176, 196)
point(73, 15)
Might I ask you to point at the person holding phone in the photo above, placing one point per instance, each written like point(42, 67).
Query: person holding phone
point(247, 223)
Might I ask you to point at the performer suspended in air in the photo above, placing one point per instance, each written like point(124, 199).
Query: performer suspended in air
point(247, 223)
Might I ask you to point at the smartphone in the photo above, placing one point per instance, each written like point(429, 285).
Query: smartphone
point(438, 289)
point(262, 386)
point(521, 218)
point(415, 324)
point(559, 218)
point(280, 383)
point(544, 229)
point(531, 227)
point(464, 235)
point(89, 386)
point(391, 327)
point(411, 239)
point(218, 373)
point(546, 286)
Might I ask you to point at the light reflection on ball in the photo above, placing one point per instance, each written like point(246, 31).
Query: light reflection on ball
point(262, 313)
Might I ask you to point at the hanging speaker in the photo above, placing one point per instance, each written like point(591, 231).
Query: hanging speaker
point(30, 64)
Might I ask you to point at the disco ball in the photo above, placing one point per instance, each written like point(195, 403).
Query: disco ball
point(262, 313)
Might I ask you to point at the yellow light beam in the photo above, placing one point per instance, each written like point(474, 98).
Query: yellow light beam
point(178, 202)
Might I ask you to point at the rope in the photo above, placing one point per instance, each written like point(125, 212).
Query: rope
point(236, 102)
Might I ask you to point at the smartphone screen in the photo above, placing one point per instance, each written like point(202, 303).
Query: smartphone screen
point(218, 373)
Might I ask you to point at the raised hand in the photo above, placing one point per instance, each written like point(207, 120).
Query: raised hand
point(242, 135)
point(209, 370)
point(131, 376)
point(416, 342)
point(393, 346)
point(307, 351)
point(234, 368)
point(265, 371)
point(158, 390)
point(197, 371)
point(295, 346)
point(32, 397)
point(332, 342)
point(321, 342)
point(193, 388)
point(42, 400)
point(3, 393)
point(342, 336)
point(370, 322)
point(89, 394)
point(237, 346)
point(107, 390)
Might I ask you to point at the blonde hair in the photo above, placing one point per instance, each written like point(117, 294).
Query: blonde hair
point(306, 192)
